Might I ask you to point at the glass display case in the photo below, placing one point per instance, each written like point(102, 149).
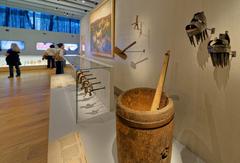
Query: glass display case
point(26, 60)
point(93, 87)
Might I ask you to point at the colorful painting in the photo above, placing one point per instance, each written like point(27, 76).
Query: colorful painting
point(102, 30)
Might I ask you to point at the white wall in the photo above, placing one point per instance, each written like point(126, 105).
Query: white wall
point(209, 123)
point(207, 113)
point(31, 37)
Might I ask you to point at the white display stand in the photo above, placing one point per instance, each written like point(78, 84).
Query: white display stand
point(97, 134)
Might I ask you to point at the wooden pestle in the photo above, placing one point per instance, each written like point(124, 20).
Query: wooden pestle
point(158, 94)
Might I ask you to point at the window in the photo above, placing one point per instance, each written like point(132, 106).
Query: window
point(17, 18)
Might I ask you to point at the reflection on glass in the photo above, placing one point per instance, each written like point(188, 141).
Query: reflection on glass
point(71, 47)
point(42, 45)
point(6, 44)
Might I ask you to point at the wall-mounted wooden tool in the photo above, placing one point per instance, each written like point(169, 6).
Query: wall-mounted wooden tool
point(136, 23)
point(197, 29)
point(136, 51)
point(220, 50)
point(159, 90)
point(121, 53)
point(134, 64)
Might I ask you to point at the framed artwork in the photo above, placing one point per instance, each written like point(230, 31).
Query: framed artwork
point(102, 29)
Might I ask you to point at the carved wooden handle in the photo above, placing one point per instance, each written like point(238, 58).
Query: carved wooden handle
point(159, 90)
point(129, 46)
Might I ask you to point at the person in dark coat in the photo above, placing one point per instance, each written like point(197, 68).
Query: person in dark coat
point(13, 60)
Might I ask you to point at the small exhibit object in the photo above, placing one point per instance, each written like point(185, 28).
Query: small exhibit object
point(121, 53)
point(220, 50)
point(134, 64)
point(86, 85)
point(197, 29)
point(136, 24)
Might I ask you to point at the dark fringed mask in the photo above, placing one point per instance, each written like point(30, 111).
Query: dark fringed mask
point(197, 28)
point(220, 50)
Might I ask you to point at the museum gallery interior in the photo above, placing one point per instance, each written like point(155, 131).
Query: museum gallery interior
point(119, 81)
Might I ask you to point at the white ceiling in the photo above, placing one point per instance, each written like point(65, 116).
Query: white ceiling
point(71, 8)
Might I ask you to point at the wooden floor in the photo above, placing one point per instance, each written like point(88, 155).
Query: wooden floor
point(24, 113)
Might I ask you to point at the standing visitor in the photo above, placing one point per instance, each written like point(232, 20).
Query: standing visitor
point(50, 52)
point(13, 60)
point(60, 59)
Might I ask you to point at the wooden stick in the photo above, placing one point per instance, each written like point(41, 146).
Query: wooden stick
point(159, 90)
point(129, 46)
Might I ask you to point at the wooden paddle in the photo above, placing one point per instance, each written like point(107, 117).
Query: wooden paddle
point(159, 90)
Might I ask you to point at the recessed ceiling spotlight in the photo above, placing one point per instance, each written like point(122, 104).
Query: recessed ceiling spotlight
point(56, 8)
point(83, 1)
point(85, 10)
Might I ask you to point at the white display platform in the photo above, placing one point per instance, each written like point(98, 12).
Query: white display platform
point(97, 134)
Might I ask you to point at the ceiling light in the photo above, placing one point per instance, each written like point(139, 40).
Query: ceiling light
point(83, 1)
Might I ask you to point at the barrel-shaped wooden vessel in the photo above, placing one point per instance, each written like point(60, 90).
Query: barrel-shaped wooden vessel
point(144, 136)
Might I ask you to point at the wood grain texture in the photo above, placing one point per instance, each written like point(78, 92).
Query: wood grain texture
point(159, 90)
point(144, 136)
point(24, 117)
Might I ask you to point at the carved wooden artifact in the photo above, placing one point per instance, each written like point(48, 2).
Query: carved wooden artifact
point(144, 135)
point(220, 50)
point(197, 29)
point(121, 53)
